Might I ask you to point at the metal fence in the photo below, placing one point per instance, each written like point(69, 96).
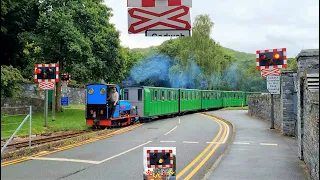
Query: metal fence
point(29, 116)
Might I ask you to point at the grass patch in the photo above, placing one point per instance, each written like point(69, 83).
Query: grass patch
point(69, 119)
point(75, 106)
point(236, 108)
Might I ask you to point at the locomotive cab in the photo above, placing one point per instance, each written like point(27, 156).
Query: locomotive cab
point(99, 107)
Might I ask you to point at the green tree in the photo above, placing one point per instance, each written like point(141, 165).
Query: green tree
point(10, 81)
point(78, 35)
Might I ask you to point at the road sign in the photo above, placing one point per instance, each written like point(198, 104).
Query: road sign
point(65, 101)
point(159, 162)
point(271, 59)
point(142, 19)
point(267, 72)
point(158, 3)
point(46, 85)
point(168, 33)
point(273, 84)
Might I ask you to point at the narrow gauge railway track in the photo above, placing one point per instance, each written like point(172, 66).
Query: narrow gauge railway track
point(19, 145)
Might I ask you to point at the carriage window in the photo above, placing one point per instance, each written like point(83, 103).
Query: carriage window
point(162, 96)
point(126, 94)
point(169, 95)
point(173, 95)
point(155, 95)
point(181, 95)
point(139, 94)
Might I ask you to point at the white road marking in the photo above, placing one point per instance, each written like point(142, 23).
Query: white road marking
point(64, 159)
point(179, 120)
point(167, 141)
point(268, 144)
point(170, 130)
point(190, 142)
point(241, 143)
point(124, 152)
point(214, 143)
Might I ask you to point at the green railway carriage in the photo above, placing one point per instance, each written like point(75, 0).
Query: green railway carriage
point(153, 101)
point(233, 98)
point(211, 99)
point(190, 100)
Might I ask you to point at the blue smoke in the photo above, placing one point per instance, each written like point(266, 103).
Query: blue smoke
point(160, 70)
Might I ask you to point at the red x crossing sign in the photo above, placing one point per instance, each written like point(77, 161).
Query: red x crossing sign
point(270, 72)
point(142, 19)
point(158, 3)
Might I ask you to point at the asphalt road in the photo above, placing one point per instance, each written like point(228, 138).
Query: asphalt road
point(121, 157)
point(258, 152)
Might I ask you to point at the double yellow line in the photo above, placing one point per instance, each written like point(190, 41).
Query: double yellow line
point(222, 127)
point(7, 163)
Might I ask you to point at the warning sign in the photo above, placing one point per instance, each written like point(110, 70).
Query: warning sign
point(159, 163)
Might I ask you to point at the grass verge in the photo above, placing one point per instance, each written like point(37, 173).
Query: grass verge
point(69, 119)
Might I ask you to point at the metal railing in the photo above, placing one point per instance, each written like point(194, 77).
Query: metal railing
point(29, 116)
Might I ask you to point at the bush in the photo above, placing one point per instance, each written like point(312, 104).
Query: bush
point(10, 79)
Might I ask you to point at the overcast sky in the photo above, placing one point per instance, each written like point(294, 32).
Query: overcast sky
point(246, 25)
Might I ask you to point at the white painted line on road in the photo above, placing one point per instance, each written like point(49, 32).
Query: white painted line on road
point(190, 142)
point(214, 143)
point(63, 159)
point(179, 120)
point(167, 141)
point(268, 144)
point(241, 143)
point(124, 152)
point(170, 130)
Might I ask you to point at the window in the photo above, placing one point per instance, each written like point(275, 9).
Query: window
point(169, 95)
point(181, 95)
point(139, 94)
point(155, 95)
point(126, 94)
point(173, 95)
point(151, 94)
point(162, 96)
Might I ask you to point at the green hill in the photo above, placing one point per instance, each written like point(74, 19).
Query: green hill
point(241, 56)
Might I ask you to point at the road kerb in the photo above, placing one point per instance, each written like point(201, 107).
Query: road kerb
point(229, 144)
point(22, 159)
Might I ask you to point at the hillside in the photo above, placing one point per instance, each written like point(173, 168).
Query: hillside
point(240, 56)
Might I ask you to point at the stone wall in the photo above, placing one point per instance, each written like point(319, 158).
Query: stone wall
point(287, 103)
point(311, 135)
point(308, 62)
point(33, 96)
point(259, 105)
point(20, 106)
point(76, 95)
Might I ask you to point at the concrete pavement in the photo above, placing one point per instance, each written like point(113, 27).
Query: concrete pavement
point(257, 152)
point(120, 157)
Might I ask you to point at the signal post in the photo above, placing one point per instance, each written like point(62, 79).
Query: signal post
point(269, 62)
point(46, 75)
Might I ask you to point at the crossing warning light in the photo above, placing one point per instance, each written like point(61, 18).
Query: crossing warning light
point(46, 73)
point(270, 59)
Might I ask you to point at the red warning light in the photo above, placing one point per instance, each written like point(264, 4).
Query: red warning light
point(38, 71)
point(263, 57)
